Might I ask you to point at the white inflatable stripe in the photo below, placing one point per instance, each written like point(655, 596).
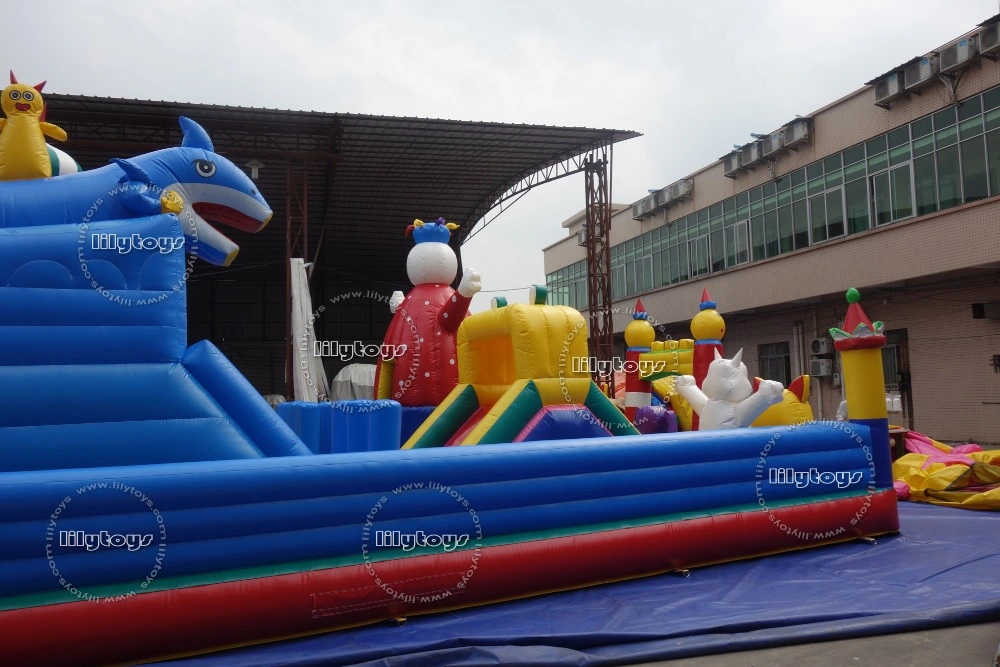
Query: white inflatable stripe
point(61, 162)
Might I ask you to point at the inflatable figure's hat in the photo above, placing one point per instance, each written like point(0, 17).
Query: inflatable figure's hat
point(438, 231)
point(640, 311)
point(859, 332)
point(706, 301)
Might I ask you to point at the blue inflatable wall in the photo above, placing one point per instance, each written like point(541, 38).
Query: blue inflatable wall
point(94, 365)
point(224, 515)
point(344, 426)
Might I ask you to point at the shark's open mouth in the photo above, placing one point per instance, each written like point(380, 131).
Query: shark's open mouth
point(207, 205)
point(222, 214)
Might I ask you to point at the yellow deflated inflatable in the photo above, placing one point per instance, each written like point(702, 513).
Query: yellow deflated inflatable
point(958, 476)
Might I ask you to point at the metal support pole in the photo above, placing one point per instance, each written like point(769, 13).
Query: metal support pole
point(296, 245)
point(598, 237)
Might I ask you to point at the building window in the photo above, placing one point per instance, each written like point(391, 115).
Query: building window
point(925, 180)
point(698, 253)
point(880, 199)
point(817, 214)
point(718, 248)
point(738, 244)
point(775, 362)
point(835, 213)
point(681, 263)
point(974, 182)
point(786, 242)
point(644, 273)
point(892, 195)
point(771, 233)
point(800, 223)
point(993, 151)
point(942, 160)
point(949, 177)
point(856, 195)
point(902, 194)
point(757, 237)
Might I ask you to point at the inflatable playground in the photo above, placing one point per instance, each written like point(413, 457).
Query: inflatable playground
point(154, 506)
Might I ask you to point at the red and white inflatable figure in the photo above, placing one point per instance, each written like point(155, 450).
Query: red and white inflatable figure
point(425, 321)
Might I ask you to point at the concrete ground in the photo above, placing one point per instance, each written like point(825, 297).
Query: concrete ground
point(968, 646)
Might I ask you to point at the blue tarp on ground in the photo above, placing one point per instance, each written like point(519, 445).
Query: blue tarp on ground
point(940, 571)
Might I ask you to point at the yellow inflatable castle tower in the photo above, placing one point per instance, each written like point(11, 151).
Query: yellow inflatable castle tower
point(515, 362)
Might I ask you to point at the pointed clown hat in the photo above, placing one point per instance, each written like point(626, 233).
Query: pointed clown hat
point(640, 311)
point(706, 301)
point(438, 231)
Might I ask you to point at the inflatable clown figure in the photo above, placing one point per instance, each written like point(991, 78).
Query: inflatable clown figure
point(422, 331)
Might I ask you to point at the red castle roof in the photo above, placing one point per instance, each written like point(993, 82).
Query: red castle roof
point(859, 332)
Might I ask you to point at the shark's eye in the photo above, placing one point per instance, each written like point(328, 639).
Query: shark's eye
point(205, 168)
point(28, 96)
point(14, 95)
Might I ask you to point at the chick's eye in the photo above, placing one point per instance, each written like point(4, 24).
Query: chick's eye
point(28, 96)
point(205, 168)
point(14, 95)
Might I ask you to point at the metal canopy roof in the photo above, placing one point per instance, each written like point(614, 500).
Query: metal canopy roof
point(367, 177)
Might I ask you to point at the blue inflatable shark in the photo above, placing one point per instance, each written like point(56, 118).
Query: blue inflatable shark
point(193, 182)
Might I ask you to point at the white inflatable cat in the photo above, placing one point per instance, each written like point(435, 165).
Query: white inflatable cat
point(727, 399)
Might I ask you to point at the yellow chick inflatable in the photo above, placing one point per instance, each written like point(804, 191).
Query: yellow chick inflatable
point(23, 153)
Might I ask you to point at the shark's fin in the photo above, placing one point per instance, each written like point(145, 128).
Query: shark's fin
point(137, 199)
point(133, 172)
point(195, 135)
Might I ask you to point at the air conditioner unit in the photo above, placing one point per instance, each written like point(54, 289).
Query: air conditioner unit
point(773, 143)
point(796, 132)
point(639, 209)
point(889, 88)
point(665, 196)
point(820, 367)
point(752, 153)
point(957, 55)
point(581, 235)
point(732, 163)
point(920, 73)
point(821, 346)
point(989, 39)
point(681, 189)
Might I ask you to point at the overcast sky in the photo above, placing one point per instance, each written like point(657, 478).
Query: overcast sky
point(693, 77)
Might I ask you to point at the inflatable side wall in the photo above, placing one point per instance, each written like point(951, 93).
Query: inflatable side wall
point(313, 543)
